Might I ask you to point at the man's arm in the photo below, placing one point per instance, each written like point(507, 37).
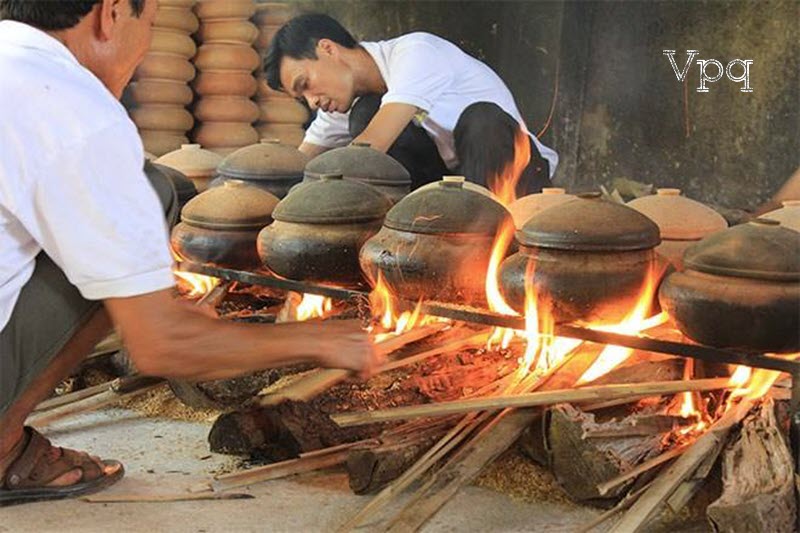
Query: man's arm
point(387, 124)
point(312, 150)
point(165, 337)
point(789, 191)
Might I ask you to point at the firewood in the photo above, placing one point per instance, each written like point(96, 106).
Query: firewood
point(251, 431)
point(605, 487)
point(321, 380)
point(72, 397)
point(758, 479)
point(646, 507)
point(585, 394)
point(580, 463)
point(157, 498)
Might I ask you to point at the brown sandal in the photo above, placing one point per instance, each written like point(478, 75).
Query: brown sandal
point(40, 463)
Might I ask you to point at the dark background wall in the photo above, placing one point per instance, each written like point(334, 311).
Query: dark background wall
point(618, 110)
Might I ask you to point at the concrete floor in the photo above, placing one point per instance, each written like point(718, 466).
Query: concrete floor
point(165, 456)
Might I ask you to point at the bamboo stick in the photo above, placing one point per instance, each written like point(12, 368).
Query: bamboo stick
point(585, 394)
point(72, 397)
point(637, 518)
point(128, 387)
point(607, 486)
point(157, 498)
point(317, 382)
point(278, 470)
point(451, 346)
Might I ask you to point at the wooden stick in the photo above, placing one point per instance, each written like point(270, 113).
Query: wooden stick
point(585, 394)
point(317, 382)
point(339, 447)
point(72, 397)
point(179, 497)
point(278, 470)
point(128, 387)
point(607, 486)
point(451, 346)
point(662, 487)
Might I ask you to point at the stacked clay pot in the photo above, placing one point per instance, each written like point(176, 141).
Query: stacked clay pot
point(225, 62)
point(160, 90)
point(194, 162)
point(280, 116)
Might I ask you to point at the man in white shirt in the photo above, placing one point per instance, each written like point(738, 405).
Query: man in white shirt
point(83, 241)
point(427, 90)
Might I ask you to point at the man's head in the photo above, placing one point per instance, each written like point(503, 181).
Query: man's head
point(308, 58)
point(109, 37)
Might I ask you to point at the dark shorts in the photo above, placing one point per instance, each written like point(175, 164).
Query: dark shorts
point(49, 311)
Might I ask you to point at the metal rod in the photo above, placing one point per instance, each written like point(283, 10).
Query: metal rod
point(479, 316)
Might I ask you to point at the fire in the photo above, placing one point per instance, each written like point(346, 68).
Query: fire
point(195, 284)
point(382, 303)
point(500, 336)
point(635, 322)
point(313, 306)
point(758, 382)
point(504, 185)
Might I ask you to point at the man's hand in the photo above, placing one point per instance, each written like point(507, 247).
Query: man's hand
point(344, 344)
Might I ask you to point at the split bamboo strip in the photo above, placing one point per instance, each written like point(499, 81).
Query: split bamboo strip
point(663, 486)
point(607, 486)
point(585, 394)
point(317, 382)
point(128, 388)
point(451, 346)
point(339, 447)
point(157, 498)
point(278, 470)
point(72, 397)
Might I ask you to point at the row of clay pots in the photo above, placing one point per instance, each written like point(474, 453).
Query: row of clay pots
point(226, 61)
point(280, 115)
point(159, 90)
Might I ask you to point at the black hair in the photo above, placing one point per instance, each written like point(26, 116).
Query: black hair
point(298, 39)
point(54, 15)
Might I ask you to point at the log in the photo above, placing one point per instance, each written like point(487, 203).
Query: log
point(605, 487)
point(758, 479)
point(252, 431)
point(647, 506)
point(322, 380)
point(585, 394)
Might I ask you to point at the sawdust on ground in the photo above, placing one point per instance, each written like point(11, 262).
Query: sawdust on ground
point(161, 402)
point(521, 479)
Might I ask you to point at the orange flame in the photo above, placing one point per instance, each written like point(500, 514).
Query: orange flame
point(758, 381)
point(504, 185)
point(195, 284)
point(635, 322)
point(382, 304)
point(313, 306)
point(500, 336)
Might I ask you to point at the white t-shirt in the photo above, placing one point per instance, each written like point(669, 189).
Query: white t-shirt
point(71, 178)
point(436, 76)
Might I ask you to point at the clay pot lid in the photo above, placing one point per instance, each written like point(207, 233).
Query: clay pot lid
point(332, 200)
point(679, 218)
point(447, 206)
point(589, 223)
point(361, 162)
point(234, 205)
point(760, 249)
point(788, 215)
point(523, 209)
point(183, 185)
point(192, 160)
point(266, 160)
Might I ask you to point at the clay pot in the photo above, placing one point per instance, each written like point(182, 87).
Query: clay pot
point(226, 109)
point(291, 134)
point(270, 165)
point(283, 111)
point(523, 209)
point(160, 92)
point(225, 83)
point(265, 35)
point(197, 164)
point(172, 42)
point(265, 92)
point(740, 289)
point(224, 9)
point(159, 142)
point(319, 230)
point(163, 117)
point(158, 65)
point(176, 3)
point(436, 244)
point(176, 18)
point(274, 13)
point(228, 31)
point(220, 226)
point(590, 256)
point(681, 221)
point(788, 215)
point(184, 187)
point(225, 134)
point(221, 56)
point(359, 162)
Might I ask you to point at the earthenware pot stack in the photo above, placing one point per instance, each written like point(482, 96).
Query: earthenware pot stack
point(160, 88)
point(225, 60)
point(280, 116)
